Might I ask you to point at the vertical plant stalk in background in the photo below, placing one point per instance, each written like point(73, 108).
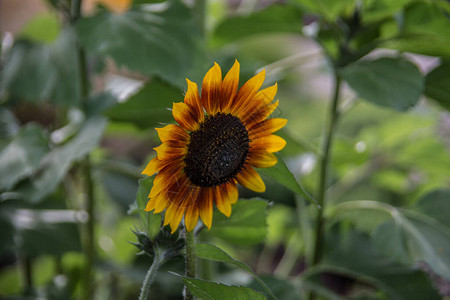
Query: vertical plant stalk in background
point(89, 238)
point(324, 166)
point(191, 261)
point(157, 262)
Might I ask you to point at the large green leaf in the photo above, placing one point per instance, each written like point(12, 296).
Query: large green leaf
point(245, 226)
point(437, 84)
point(211, 252)
point(22, 155)
point(275, 18)
point(281, 173)
point(436, 204)
point(353, 255)
point(55, 164)
point(328, 9)
point(35, 72)
point(155, 39)
point(148, 107)
point(392, 82)
point(208, 290)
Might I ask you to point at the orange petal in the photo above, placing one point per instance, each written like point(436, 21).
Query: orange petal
point(184, 115)
point(160, 203)
point(168, 175)
point(191, 217)
point(229, 87)
point(211, 89)
point(247, 91)
point(266, 127)
point(262, 159)
point(222, 200)
point(206, 206)
point(232, 192)
point(154, 166)
point(150, 204)
point(269, 143)
point(192, 98)
point(251, 179)
point(172, 132)
point(259, 107)
point(173, 216)
point(169, 151)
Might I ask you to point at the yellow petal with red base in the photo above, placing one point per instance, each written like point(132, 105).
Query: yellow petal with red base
point(251, 180)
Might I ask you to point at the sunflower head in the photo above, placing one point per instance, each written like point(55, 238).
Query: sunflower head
point(221, 136)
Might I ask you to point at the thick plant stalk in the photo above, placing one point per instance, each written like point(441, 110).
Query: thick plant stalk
point(324, 166)
point(191, 261)
point(145, 290)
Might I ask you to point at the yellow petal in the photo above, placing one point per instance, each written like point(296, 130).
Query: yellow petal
point(269, 143)
point(257, 105)
point(229, 87)
point(206, 206)
point(191, 217)
point(266, 127)
point(172, 132)
point(249, 178)
point(183, 114)
point(222, 200)
point(154, 166)
point(211, 89)
point(247, 91)
point(192, 98)
point(262, 159)
point(167, 151)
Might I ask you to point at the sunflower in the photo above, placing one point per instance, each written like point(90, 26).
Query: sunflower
point(221, 136)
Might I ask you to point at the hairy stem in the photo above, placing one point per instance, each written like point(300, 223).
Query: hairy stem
point(324, 166)
point(191, 261)
point(145, 289)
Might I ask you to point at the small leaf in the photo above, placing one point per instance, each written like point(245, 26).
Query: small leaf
point(152, 222)
point(216, 291)
point(148, 107)
point(281, 173)
point(156, 39)
point(392, 82)
point(211, 252)
point(245, 226)
point(275, 18)
point(22, 155)
point(437, 85)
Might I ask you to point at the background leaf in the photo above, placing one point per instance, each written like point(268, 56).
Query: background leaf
point(245, 226)
point(437, 84)
point(155, 39)
point(391, 82)
point(152, 222)
point(216, 291)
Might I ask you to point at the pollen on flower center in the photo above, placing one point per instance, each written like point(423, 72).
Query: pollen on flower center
point(217, 150)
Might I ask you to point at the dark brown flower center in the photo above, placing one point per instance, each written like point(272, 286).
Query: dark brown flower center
point(217, 150)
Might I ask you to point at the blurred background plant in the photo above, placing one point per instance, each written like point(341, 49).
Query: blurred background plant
point(365, 85)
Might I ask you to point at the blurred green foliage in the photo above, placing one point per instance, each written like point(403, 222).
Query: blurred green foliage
point(387, 233)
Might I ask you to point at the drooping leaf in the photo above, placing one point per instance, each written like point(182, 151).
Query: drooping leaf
point(148, 107)
point(216, 291)
point(211, 252)
point(245, 226)
point(392, 82)
point(22, 155)
point(34, 71)
point(55, 164)
point(437, 85)
point(275, 18)
point(155, 39)
point(281, 173)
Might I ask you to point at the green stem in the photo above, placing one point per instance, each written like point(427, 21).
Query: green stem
point(324, 165)
point(145, 290)
point(27, 276)
point(191, 261)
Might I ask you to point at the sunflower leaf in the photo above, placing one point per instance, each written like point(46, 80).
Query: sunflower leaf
point(155, 39)
point(391, 82)
point(151, 222)
point(211, 252)
point(245, 226)
point(209, 290)
point(281, 173)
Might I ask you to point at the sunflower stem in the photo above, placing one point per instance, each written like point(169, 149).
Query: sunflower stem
point(191, 261)
point(145, 290)
point(324, 166)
